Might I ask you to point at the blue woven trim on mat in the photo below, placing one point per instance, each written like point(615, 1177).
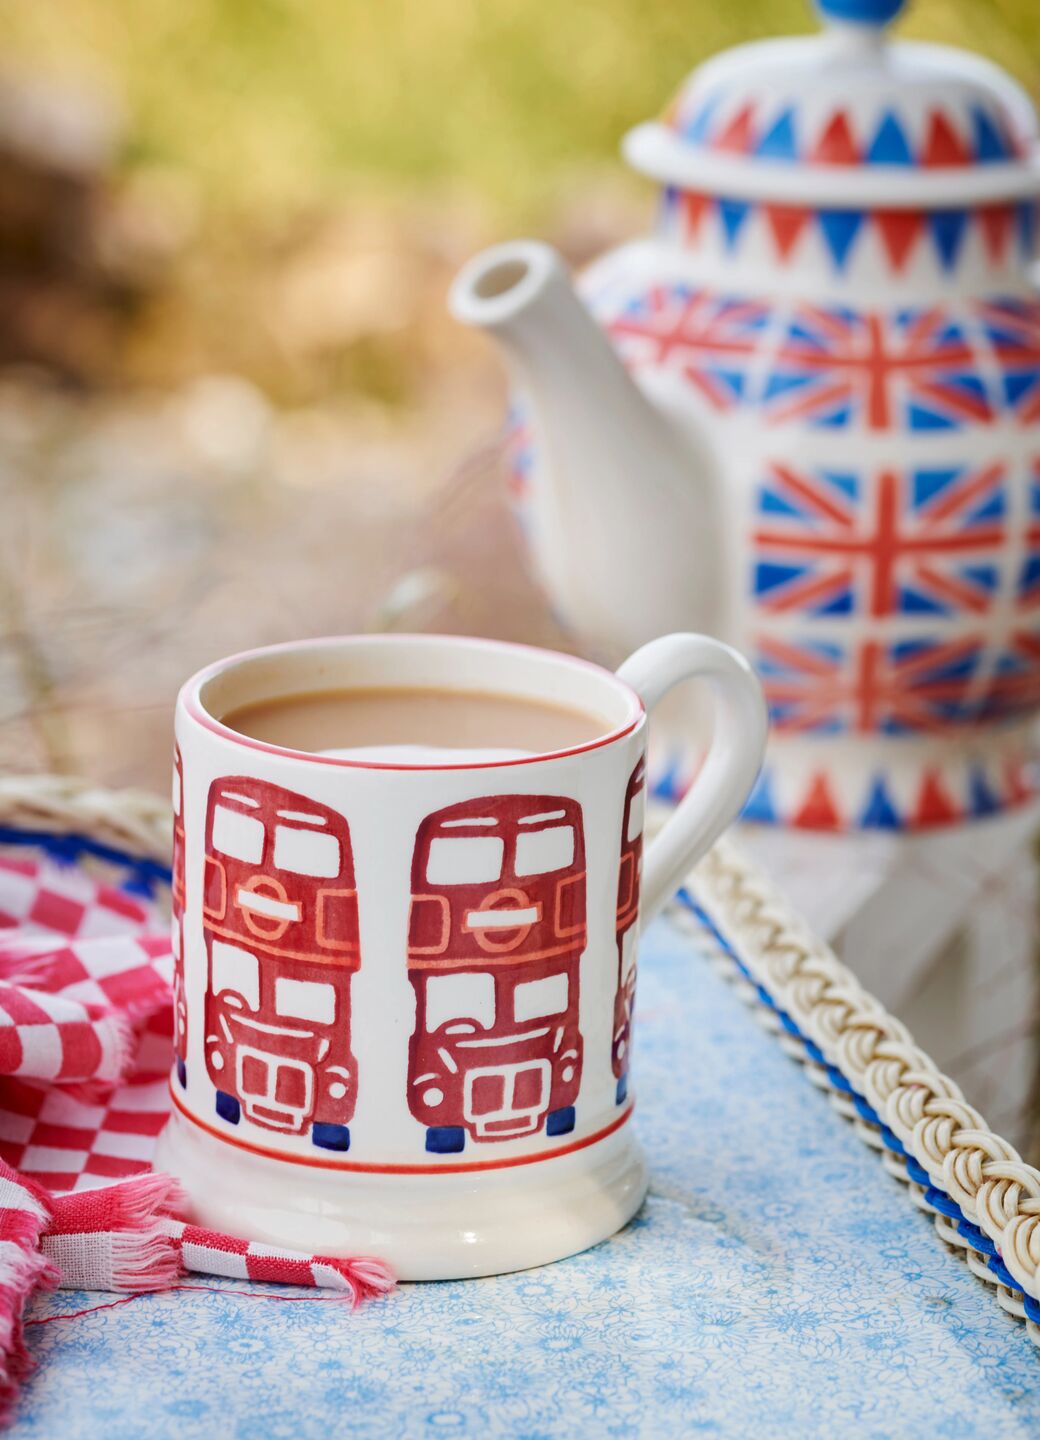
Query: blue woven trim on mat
point(143, 875)
point(935, 1197)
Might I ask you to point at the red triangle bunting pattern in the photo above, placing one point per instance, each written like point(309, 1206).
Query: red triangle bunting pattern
point(736, 135)
point(819, 811)
point(934, 806)
point(954, 134)
point(695, 207)
point(786, 222)
point(836, 145)
point(899, 229)
point(996, 222)
point(943, 146)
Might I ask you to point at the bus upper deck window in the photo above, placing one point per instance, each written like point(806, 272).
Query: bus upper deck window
point(539, 851)
point(464, 860)
point(306, 852)
point(636, 814)
point(240, 837)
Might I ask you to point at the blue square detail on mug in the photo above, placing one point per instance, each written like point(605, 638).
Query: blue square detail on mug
point(560, 1122)
point(445, 1139)
point(228, 1108)
point(330, 1137)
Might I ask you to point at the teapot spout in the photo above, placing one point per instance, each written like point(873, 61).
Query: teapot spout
point(621, 512)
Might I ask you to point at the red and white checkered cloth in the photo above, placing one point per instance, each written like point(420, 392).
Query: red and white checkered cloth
point(86, 1047)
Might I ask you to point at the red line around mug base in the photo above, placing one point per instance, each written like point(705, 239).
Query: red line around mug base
point(505, 1163)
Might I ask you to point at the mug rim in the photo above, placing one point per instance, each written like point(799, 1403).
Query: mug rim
point(190, 699)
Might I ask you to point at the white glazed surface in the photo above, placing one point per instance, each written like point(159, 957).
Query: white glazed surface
point(498, 1204)
point(829, 364)
point(448, 1228)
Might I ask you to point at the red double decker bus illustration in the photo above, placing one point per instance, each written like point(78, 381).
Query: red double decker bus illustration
point(625, 925)
point(496, 933)
point(180, 1004)
point(281, 924)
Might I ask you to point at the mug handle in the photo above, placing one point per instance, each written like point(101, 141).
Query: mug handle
point(730, 766)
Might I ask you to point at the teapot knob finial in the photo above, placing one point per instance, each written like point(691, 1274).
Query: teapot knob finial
point(861, 12)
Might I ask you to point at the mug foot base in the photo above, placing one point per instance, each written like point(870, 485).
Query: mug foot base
point(426, 1227)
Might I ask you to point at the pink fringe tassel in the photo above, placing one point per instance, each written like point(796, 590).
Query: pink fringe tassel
point(139, 1254)
point(366, 1276)
point(23, 1271)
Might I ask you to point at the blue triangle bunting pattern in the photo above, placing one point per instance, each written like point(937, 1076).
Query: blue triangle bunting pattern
point(880, 813)
point(990, 145)
point(1026, 217)
point(890, 145)
point(733, 213)
point(667, 784)
point(947, 227)
point(840, 228)
point(760, 805)
point(696, 128)
point(895, 139)
point(778, 142)
point(982, 799)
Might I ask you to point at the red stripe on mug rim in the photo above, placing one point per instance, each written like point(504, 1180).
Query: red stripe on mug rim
point(190, 697)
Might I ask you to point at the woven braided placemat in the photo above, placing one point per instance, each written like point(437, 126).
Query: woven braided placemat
point(983, 1198)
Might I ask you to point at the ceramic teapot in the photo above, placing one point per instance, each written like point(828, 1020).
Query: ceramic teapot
point(803, 414)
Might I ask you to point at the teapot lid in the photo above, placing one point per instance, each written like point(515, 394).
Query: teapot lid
point(845, 118)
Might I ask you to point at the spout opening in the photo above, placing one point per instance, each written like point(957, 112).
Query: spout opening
point(500, 279)
point(499, 283)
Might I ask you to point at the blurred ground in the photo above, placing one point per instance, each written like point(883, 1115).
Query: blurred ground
point(144, 538)
point(203, 450)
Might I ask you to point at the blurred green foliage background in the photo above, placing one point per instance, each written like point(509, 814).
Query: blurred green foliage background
point(280, 102)
point(281, 189)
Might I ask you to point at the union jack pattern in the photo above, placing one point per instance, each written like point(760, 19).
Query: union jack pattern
point(896, 687)
point(894, 592)
point(1015, 687)
point(834, 367)
point(908, 370)
point(1028, 591)
point(705, 337)
point(828, 687)
point(1012, 327)
point(917, 542)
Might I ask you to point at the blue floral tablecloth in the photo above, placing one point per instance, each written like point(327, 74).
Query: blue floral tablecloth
point(777, 1283)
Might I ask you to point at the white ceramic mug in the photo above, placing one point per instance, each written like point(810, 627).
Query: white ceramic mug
point(373, 1054)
